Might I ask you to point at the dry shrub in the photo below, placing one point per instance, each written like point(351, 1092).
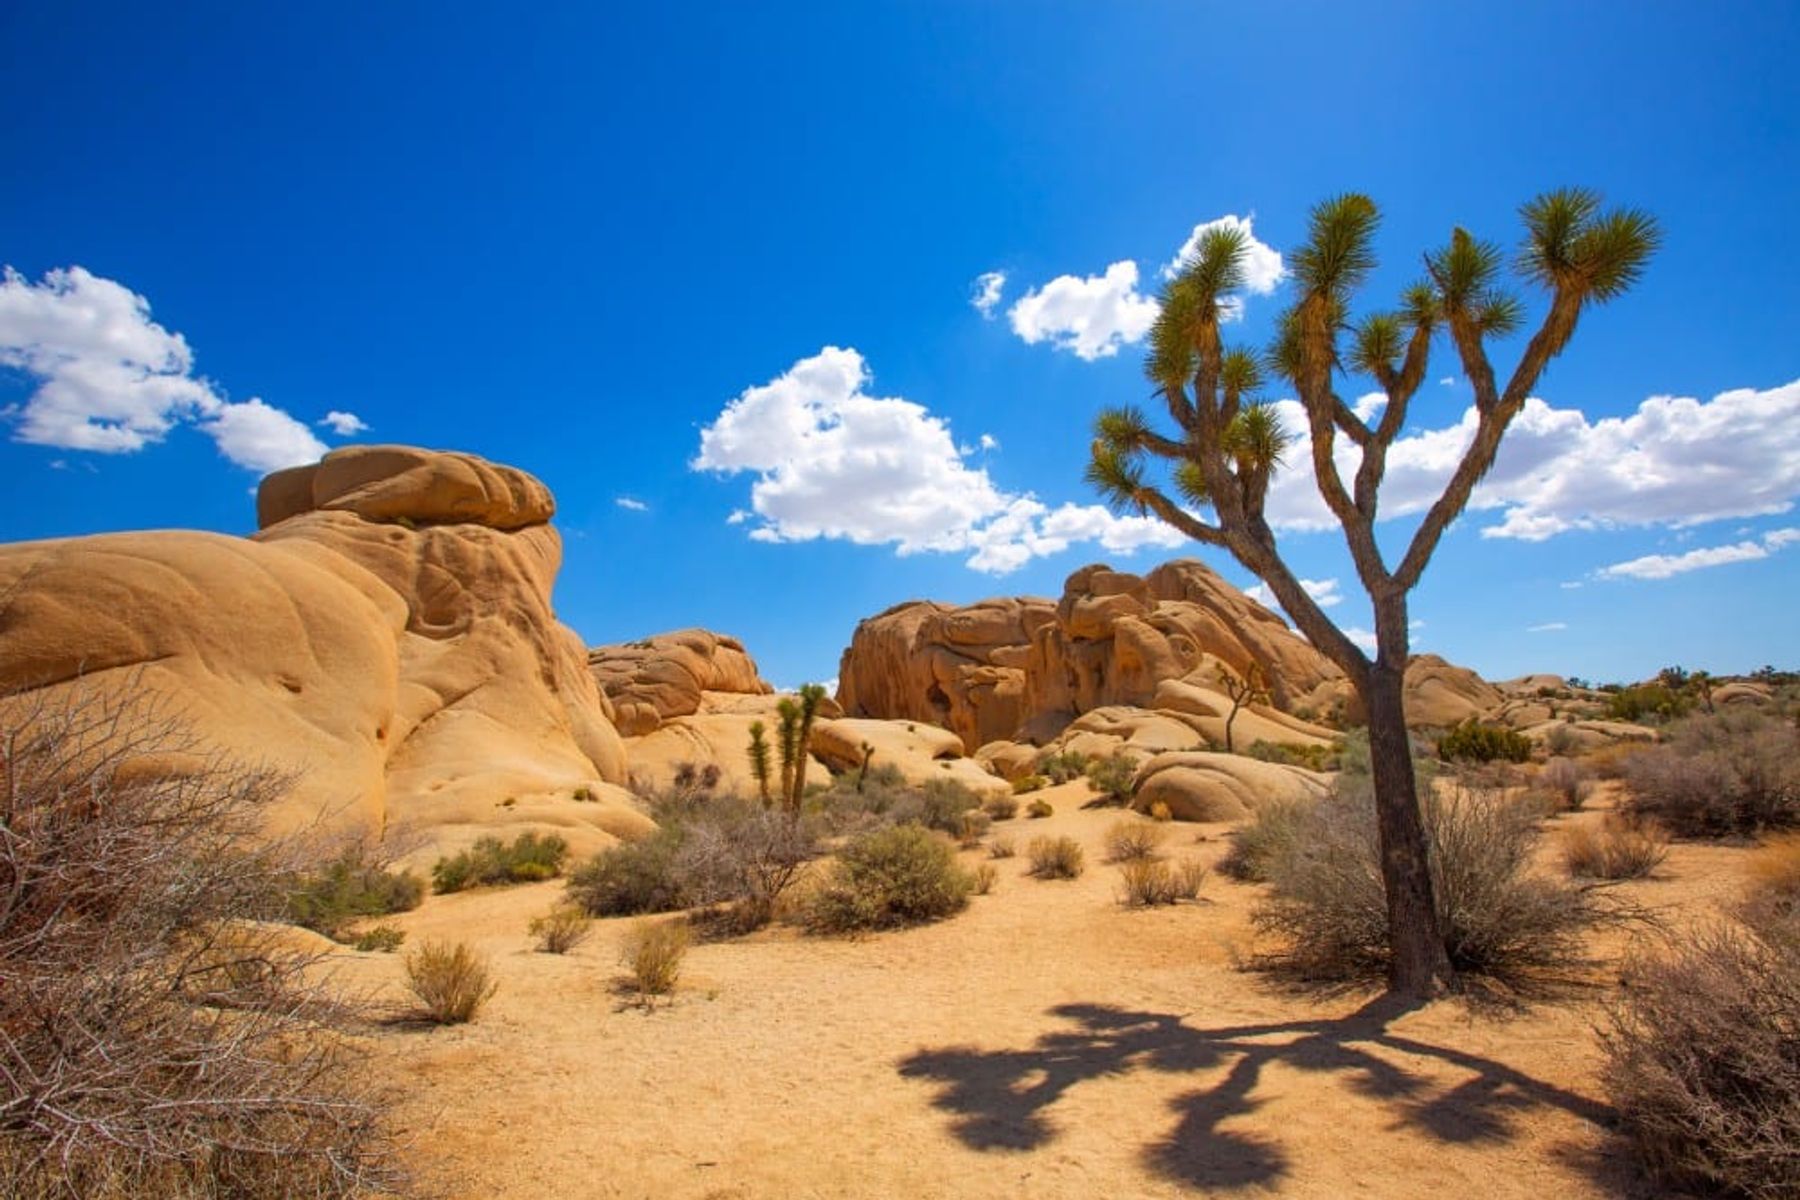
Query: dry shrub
point(562, 928)
point(1568, 783)
point(380, 939)
point(985, 877)
point(1001, 848)
point(1733, 773)
point(1703, 1059)
point(653, 952)
point(1055, 858)
point(899, 875)
point(1774, 869)
point(451, 981)
point(1505, 928)
point(1132, 841)
point(1614, 849)
point(1037, 810)
point(971, 827)
point(1275, 830)
point(1147, 881)
point(1001, 808)
point(156, 1038)
point(1029, 783)
point(1609, 762)
point(1112, 777)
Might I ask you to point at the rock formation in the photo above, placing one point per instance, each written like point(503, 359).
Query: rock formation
point(386, 638)
point(668, 674)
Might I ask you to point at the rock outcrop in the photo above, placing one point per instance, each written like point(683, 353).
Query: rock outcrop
point(1220, 787)
point(667, 675)
point(386, 638)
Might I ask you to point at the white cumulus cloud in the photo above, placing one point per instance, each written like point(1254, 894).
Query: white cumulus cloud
point(1092, 315)
point(832, 461)
point(108, 379)
point(1674, 461)
point(1663, 566)
point(1263, 269)
point(1324, 592)
point(985, 294)
point(344, 424)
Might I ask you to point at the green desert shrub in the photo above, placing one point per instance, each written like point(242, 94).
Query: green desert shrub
point(1037, 810)
point(348, 889)
point(1146, 882)
point(653, 951)
point(1026, 784)
point(382, 939)
point(945, 806)
point(1506, 928)
point(900, 875)
point(1733, 773)
point(1112, 777)
point(1055, 858)
point(451, 982)
point(631, 878)
point(1703, 1058)
point(1064, 765)
point(1129, 840)
point(490, 862)
point(1293, 754)
point(1472, 741)
point(562, 928)
point(1001, 808)
point(1274, 832)
point(1648, 702)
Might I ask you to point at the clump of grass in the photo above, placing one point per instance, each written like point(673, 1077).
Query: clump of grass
point(1029, 783)
point(898, 875)
point(1614, 849)
point(1064, 765)
point(1703, 1058)
point(1037, 810)
point(348, 889)
point(1131, 841)
point(653, 952)
point(1568, 783)
point(490, 862)
point(985, 876)
point(561, 929)
point(451, 981)
point(1146, 881)
point(1112, 777)
point(1001, 848)
point(1001, 808)
point(1056, 858)
point(380, 939)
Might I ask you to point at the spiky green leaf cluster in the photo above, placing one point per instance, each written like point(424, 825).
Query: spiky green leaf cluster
point(1571, 245)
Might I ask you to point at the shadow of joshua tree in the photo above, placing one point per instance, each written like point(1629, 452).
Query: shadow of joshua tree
point(999, 1098)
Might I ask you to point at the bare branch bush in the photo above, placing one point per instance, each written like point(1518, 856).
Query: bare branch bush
point(157, 1035)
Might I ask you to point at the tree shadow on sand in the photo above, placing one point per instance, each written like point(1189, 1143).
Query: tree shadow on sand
point(999, 1098)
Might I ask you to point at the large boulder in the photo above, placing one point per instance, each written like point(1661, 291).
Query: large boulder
point(668, 675)
point(1202, 786)
point(386, 639)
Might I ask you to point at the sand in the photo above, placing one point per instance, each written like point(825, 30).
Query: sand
point(1047, 1042)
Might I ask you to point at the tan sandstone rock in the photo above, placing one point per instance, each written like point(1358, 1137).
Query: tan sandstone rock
point(1202, 786)
point(668, 675)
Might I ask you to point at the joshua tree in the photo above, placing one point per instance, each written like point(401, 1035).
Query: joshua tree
point(1241, 690)
point(862, 772)
point(788, 738)
point(759, 761)
point(810, 696)
point(1225, 446)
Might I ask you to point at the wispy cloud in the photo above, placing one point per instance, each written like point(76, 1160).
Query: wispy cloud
point(344, 424)
point(985, 293)
point(629, 502)
point(1548, 627)
point(1664, 566)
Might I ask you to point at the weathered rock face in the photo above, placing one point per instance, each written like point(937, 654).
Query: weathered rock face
point(1007, 668)
point(1440, 694)
point(1221, 787)
point(667, 675)
point(387, 637)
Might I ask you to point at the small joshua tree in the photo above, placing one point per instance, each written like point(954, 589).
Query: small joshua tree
point(810, 697)
point(788, 743)
point(1241, 690)
point(759, 761)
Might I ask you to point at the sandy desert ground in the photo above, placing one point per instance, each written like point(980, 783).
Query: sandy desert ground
point(1047, 1042)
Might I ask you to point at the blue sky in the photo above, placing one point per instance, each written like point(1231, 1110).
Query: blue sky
point(569, 238)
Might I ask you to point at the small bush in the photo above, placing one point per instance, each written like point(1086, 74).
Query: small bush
point(1145, 882)
point(1055, 858)
point(1310, 755)
point(451, 982)
point(1614, 849)
point(1475, 742)
point(1276, 831)
point(1001, 808)
point(1131, 841)
point(985, 877)
point(1562, 741)
point(1112, 777)
point(899, 875)
point(380, 939)
point(1026, 784)
point(349, 889)
point(971, 827)
point(1064, 766)
point(490, 862)
point(741, 859)
point(1567, 782)
point(1159, 811)
point(1001, 848)
point(631, 878)
point(1648, 701)
point(1504, 926)
point(945, 804)
point(1037, 810)
point(1703, 1060)
point(653, 952)
point(561, 929)
point(1736, 773)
